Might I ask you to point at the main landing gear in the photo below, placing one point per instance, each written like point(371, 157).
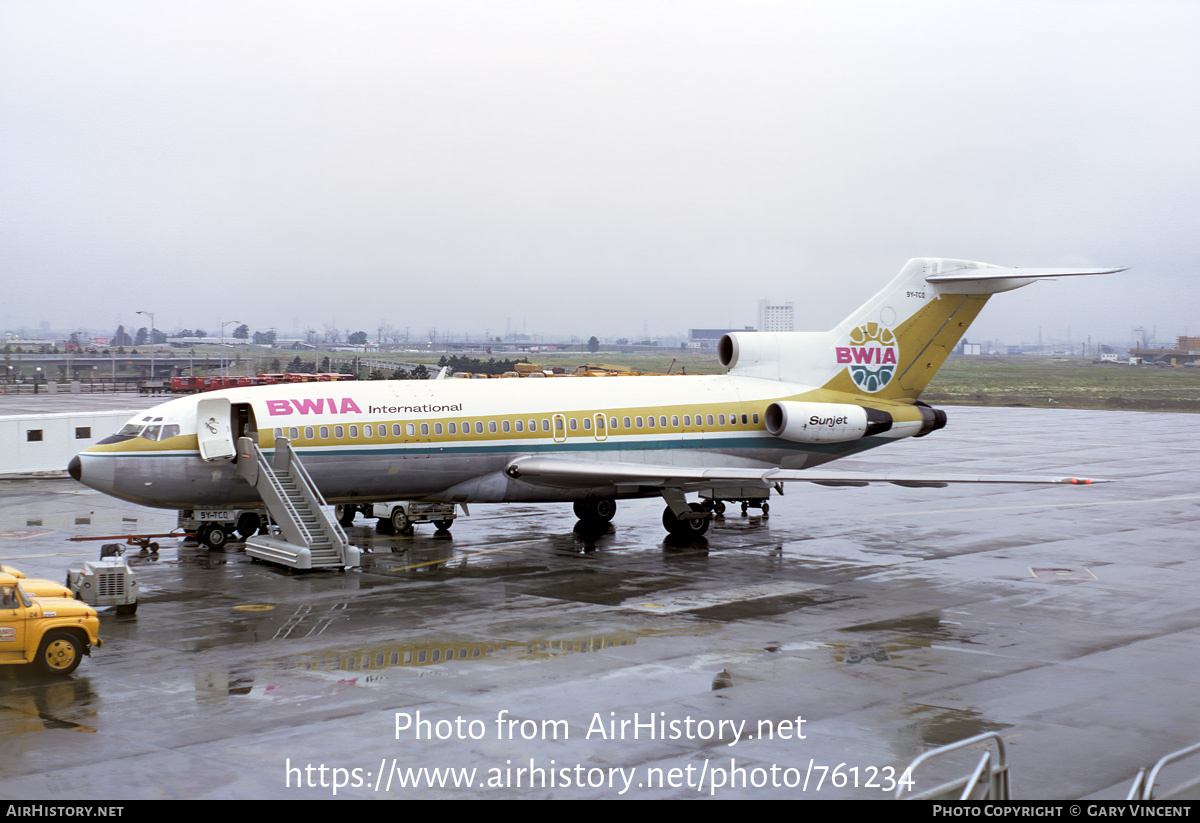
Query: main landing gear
point(684, 519)
point(693, 523)
point(595, 511)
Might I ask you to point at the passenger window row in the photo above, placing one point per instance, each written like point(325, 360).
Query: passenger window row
point(371, 431)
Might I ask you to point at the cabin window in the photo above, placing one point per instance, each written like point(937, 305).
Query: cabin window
point(294, 433)
point(638, 422)
point(368, 430)
point(587, 424)
point(756, 419)
point(687, 420)
point(421, 656)
point(437, 429)
point(479, 427)
point(612, 422)
point(721, 419)
point(324, 432)
point(278, 433)
point(396, 430)
point(339, 431)
point(354, 431)
point(627, 422)
point(545, 425)
point(308, 432)
point(573, 423)
point(520, 425)
point(83, 432)
point(408, 658)
point(533, 425)
point(492, 426)
point(710, 420)
point(662, 421)
point(744, 421)
point(674, 421)
point(558, 425)
point(452, 428)
point(424, 429)
point(600, 424)
point(504, 426)
point(650, 422)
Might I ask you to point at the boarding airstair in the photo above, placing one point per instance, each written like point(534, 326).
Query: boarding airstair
point(308, 537)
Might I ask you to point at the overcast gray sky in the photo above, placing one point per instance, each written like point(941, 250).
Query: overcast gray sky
point(585, 167)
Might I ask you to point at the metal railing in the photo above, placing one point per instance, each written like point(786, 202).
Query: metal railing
point(988, 780)
point(1143, 783)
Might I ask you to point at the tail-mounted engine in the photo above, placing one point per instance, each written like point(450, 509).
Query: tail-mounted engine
point(826, 422)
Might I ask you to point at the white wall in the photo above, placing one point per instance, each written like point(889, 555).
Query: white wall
point(59, 443)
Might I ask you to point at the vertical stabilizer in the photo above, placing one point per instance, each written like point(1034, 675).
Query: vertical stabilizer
point(892, 345)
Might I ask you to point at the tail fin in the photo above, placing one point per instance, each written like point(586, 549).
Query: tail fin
point(892, 345)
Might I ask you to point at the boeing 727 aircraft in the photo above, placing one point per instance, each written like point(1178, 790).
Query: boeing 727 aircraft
point(790, 403)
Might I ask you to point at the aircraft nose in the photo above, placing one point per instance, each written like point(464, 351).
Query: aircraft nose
point(75, 468)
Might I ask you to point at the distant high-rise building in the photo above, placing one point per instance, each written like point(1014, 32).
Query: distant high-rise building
point(775, 316)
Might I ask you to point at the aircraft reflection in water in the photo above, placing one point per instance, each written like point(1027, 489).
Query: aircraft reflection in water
point(790, 403)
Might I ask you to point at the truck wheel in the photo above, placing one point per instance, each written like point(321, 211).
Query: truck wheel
point(345, 515)
point(127, 608)
point(213, 536)
point(399, 520)
point(443, 525)
point(60, 653)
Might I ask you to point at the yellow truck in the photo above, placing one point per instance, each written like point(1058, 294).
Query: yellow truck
point(52, 633)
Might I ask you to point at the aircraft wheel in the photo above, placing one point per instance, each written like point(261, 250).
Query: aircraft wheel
point(213, 535)
point(745, 508)
point(720, 507)
point(443, 525)
point(766, 507)
point(247, 524)
point(60, 653)
point(604, 509)
point(400, 520)
point(597, 511)
point(685, 528)
point(345, 514)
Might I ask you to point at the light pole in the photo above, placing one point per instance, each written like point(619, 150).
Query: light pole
point(223, 325)
point(150, 314)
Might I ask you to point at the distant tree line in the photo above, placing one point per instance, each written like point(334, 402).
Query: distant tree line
point(477, 366)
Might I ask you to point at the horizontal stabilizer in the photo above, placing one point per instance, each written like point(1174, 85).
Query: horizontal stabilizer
point(999, 273)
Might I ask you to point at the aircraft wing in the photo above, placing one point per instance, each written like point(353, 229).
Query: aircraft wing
point(565, 473)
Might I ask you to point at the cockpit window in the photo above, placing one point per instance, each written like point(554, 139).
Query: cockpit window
point(152, 432)
point(130, 430)
point(169, 430)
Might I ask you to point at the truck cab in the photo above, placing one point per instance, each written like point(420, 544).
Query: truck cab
point(51, 633)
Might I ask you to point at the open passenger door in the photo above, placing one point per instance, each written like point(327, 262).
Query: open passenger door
point(214, 429)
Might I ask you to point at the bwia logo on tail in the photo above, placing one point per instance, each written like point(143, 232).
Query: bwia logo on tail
point(871, 357)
